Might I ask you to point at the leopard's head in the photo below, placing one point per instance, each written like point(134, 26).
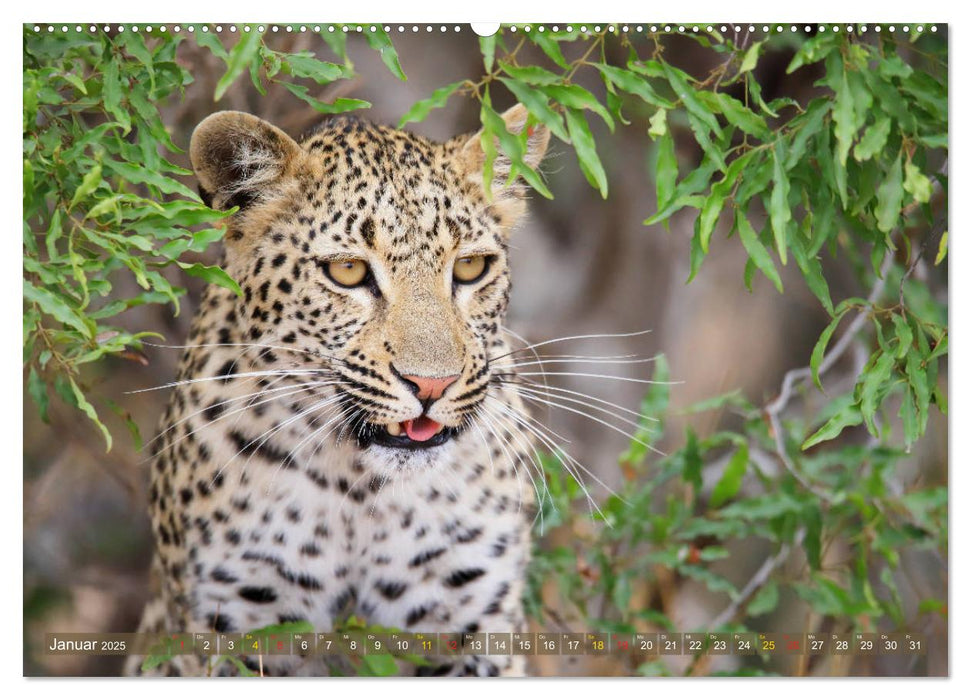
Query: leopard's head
point(377, 256)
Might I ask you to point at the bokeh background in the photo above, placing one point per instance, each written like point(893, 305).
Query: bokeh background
point(581, 265)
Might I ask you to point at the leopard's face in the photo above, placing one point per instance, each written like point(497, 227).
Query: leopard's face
point(376, 255)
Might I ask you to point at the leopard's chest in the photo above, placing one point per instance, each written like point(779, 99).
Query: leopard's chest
point(280, 527)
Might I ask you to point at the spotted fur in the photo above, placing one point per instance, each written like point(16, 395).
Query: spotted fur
point(274, 506)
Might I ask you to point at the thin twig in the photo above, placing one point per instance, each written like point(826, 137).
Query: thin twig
point(795, 376)
point(758, 580)
point(773, 411)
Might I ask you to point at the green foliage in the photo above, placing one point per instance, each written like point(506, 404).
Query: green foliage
point(102, 198)
point(847, 173)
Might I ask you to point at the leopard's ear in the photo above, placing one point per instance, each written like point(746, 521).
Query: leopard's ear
point(238, 158)
point(507, 198)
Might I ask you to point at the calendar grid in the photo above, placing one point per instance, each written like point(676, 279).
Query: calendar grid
point(491, 644)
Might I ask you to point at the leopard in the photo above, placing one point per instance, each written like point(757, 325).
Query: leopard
point(344, 437)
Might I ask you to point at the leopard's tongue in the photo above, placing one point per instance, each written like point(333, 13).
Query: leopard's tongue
point(421, 428)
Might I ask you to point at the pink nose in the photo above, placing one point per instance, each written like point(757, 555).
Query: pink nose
point(430, 387)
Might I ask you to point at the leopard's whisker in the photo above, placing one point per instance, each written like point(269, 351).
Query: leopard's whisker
point(554, 449)
point(568, 338)
point(503, 445)
point(532, 396)
point(239, 375)
point(473, 420)
point(597, 376)
point(247, 346)
point(533, 455)
point(535, 396)
point(291, 454)
point(535, 354)
point(267, 434)
point(313, 430)
point(288, 391)
point(377, 494)
point(529, 383)
point(539, 429)
point(576, 360)
point(296, 404)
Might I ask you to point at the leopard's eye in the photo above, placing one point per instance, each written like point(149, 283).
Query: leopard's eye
point(347, 273)
point(469, 268)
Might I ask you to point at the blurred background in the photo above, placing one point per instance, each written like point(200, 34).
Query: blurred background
point(581, 265)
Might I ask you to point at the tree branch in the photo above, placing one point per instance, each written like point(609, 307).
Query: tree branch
point(773, 411)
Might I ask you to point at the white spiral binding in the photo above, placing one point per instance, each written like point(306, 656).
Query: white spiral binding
point(414, 28)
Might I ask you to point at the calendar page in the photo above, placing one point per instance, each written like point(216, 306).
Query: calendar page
point(552, 349)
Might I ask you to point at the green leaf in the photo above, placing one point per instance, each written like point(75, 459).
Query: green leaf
point(873, 384)
point(696, 255)
point(586, 149)
point(873, 140)
point(487, 44)
point(89, 411)
point(381, 42)
point(688, 95)
point(812, 272)
point(819, 350)
point(513, 146)
point(731, 480)
point(55, 305)
point(916, 183)
point(890, 197)
point(305, 65)
point(844, 118)
point(758, 253)
point(436, 100)
point(534, 75)
point(751, 57)
point(708, 217)
point(692, 461)
point(338, 106)
point(136, 434)
point(714, 152)
point(152, 661)
point(246, 50)
point(812, 520)
point(848, 416)
point(811, 124)
point(210, 41)
point(920, 384)
point(112, 92)
point(337, 41)
point(576, 97)
point(658, 124)
point(538, 105)
point(941, 249)
point(146, 176)
point(765, 601)
point(38, 392)
point(292, 627)
point(905, 336)
point(742, 117)
point(211, 274)
point(89, 184)
point(779, 212)
point(550, 47)
point(380, 664)
point(666, 170)
point(632, 83)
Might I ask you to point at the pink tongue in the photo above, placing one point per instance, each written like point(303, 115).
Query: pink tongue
point(421, 428)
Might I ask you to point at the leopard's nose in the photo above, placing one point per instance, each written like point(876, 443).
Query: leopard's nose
point(429, 387)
